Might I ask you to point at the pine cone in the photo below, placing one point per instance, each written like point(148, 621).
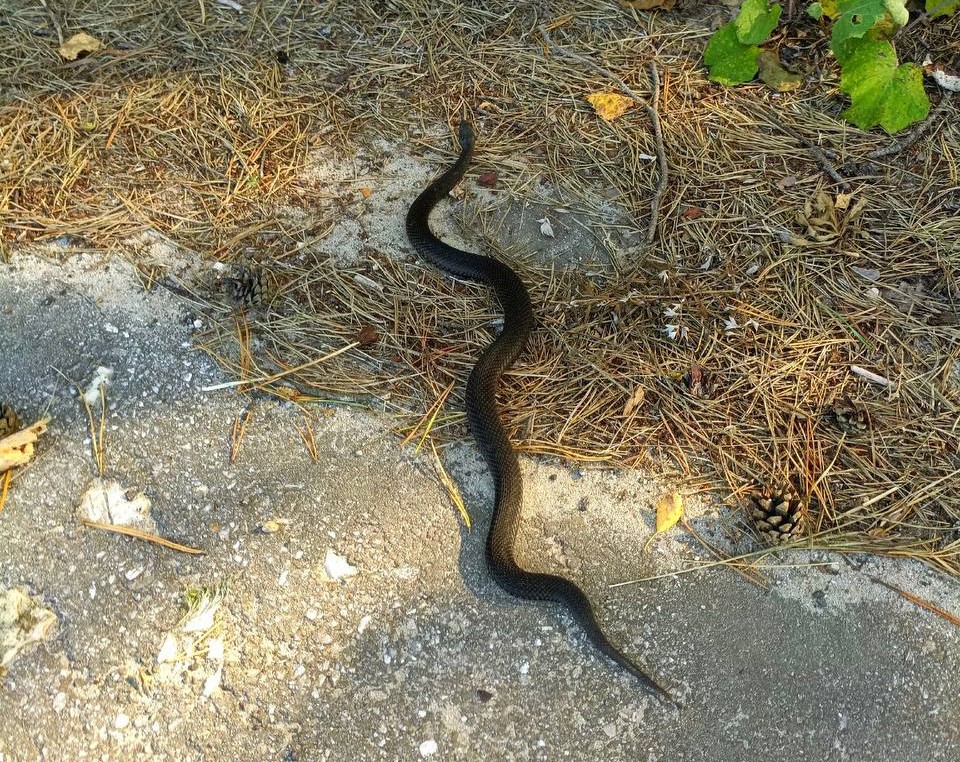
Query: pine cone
point(247, 289)
point(850, 417)
point(9, 420)
point(778, 514)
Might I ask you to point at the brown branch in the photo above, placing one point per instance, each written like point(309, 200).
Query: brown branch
point(819, 154)
point(898, 146)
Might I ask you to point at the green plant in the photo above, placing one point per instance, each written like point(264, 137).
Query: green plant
point(882, 91)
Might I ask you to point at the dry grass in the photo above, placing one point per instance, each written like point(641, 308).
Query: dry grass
point(190, 125)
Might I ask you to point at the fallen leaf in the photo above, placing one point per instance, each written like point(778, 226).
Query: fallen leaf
point(669, 511)
point(635, 401)
point(545, 227)
point(946, 81)
point(487, 179)
point(692, 213)
point(610, 105)
point(367, 335)
point(17, 449)
point(24, 623)
point(696, 380)
point(78, 46)
point(773, 74)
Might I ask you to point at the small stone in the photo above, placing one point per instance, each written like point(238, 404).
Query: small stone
point(428, 748)
point(337, 567)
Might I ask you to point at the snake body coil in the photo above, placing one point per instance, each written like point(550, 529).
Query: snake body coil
point(484, 418)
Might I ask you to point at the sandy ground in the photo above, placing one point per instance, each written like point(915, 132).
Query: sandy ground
point(417, 655)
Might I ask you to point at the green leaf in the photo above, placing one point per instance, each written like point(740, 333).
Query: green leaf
point(756, 20)
point(881, 92)
point(941, 7)
point(730, 61)
point(815, 11)
point(898, 12)
point(856, 19)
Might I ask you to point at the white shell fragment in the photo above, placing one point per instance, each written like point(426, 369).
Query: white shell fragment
point(337, 567)
point(870, 376)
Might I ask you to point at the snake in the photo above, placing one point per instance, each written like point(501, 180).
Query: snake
point(483, 415)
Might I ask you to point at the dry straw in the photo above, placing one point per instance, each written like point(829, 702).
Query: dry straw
point(762, 287)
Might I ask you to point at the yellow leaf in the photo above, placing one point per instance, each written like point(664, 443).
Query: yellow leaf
point(843, 201)
point(79, 45)
point(669, 511)
point(610, 105)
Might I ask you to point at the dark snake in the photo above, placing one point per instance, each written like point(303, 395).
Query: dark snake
point(484, 418)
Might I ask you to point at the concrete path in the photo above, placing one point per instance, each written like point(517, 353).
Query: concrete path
point(417, 655)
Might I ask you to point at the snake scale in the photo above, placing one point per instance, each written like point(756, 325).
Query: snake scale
point(484, 418)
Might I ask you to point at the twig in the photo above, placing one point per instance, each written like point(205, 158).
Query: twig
point(652, 109)
point(7, 476)
point(239, 431)
point(309, 441)
point(451, 487)
point(278, 376)
point(141, 535)
point(819, 154)
point(54, 22)
point(919, 602)
point(750, 574)
point(429, 418)
point(897, 146)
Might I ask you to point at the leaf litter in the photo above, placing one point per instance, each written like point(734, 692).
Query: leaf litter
point(127, 142)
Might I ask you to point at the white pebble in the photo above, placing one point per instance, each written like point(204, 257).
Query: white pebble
point(121, 722)
point(428, 748)
point(337, 567)
point(168, 651)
